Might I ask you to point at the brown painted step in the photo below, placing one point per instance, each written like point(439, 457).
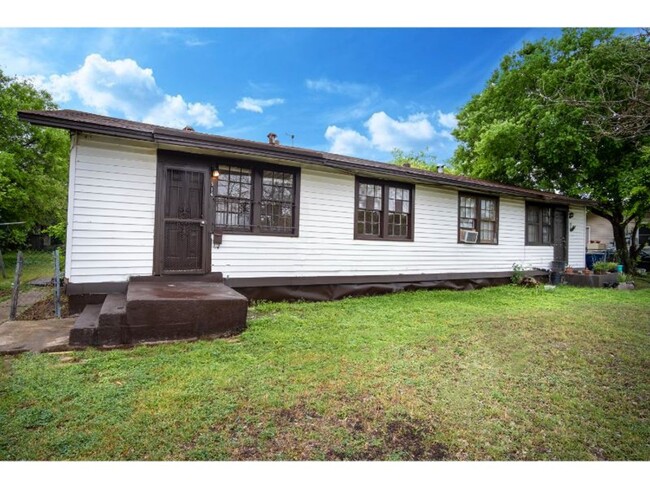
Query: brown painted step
point(84, 332)
point(113, 312)
point(166, 310)
point(89, 330)
point(214, 277)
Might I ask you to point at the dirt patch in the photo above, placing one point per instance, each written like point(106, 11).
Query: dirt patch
point(301, 433)
point(44, 309)
point(398, 437)
point(408, 435)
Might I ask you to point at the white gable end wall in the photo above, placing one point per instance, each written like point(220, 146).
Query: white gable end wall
point(112, 200)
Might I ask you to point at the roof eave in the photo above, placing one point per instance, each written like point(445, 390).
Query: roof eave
point(256, 149)
point(467, 185)
point(253, 149)
point(61, 123)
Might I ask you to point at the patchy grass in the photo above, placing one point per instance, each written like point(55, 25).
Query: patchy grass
point(501, 373)
point(36, 264)
point(641, 282)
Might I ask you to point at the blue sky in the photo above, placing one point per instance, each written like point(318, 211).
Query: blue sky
point(360, 92)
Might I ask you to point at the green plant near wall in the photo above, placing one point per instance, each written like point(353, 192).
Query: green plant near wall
point(624, 278)
point(604, 267)
point(517, 274)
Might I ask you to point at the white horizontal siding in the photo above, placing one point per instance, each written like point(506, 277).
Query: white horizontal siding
point(110, 235)
point(326, 245)
point(112, 223)
point(577, 236)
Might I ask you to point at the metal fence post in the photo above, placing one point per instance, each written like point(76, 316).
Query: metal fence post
point(57, 285)
point(2, 265)
point(16, 286)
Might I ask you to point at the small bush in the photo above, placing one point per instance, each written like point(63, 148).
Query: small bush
point(604, 267)
point(517, 274)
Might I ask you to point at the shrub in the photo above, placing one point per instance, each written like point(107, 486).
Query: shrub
point(604, 267)
point(517, 274)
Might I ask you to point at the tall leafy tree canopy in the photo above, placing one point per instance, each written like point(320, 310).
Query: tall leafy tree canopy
point(420, 160)
point(33, 166)
point(570, 115)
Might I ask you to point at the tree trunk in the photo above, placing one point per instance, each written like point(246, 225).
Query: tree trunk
point(635, 247)
point(621, 247)
point(626, 254)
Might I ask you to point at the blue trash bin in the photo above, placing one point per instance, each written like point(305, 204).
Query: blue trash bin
point(594, 257)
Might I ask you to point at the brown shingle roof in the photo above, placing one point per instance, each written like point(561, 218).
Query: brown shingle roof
point(100, 124)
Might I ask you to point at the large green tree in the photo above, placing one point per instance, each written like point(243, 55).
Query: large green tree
point(423, 159)
point(569, 115)
point(33, 166)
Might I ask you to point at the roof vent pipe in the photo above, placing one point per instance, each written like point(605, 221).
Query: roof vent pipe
point(273, 139)
point(441, 168)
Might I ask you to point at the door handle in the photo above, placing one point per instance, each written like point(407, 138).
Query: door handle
point(202, 223)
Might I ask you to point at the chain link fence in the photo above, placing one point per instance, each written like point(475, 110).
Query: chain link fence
point(29, 288)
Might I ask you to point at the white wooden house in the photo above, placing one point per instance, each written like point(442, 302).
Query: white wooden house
point(284, 222)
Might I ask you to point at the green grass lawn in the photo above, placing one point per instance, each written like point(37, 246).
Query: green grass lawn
point(502, 373)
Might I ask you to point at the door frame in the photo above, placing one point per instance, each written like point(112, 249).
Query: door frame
point(565, 211)
point(159, 221)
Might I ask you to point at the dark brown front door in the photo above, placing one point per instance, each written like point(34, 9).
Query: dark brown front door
point(184, 221)
point(560, 244)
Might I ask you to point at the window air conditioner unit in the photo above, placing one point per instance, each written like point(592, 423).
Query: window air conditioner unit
point(469, 236)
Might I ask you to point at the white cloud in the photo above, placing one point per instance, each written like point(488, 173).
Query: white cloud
point(257, 105)
point(173, 111)
point(365, 99)
point(339, 87)
point(447, 120)
point(387, 133)
point(194, 42)
point(384, 134)
point(181, 36)
point(122, 87)
point(346, 141)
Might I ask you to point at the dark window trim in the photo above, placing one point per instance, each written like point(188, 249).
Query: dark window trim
point(256, 203)
point(478, 197)
point(383, 225)
point(212, 162)
point(540, 206)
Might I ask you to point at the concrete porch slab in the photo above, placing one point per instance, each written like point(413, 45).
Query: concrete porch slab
point(35, 335)
point(183, 309)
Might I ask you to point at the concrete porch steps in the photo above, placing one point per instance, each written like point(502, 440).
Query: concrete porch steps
point(84, 331)
point(113, 312)
point(162, 309)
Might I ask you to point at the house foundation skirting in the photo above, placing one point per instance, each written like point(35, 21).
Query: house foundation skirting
point(320, 288)
point(318, 293)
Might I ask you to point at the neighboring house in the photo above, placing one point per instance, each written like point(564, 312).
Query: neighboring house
point(601, 236)
point(284, 222)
